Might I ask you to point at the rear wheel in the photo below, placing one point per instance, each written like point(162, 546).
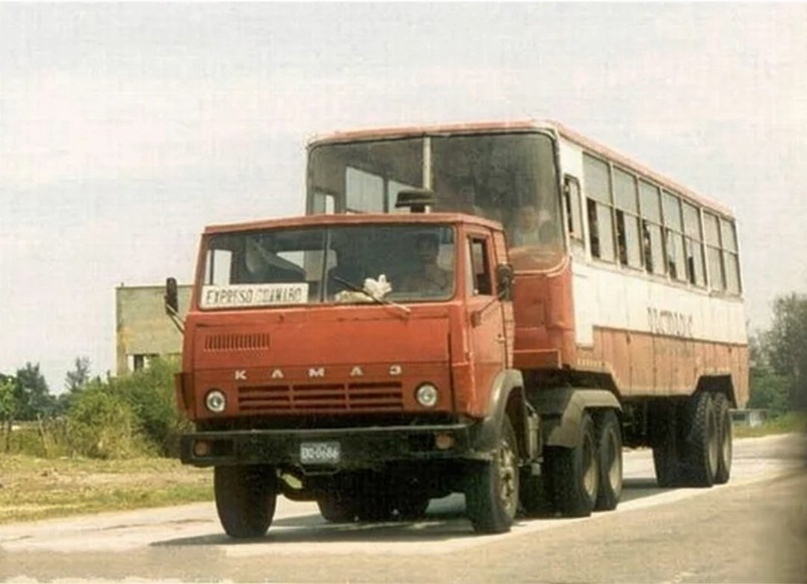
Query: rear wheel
point(536, 498)
point(702, 445)
point(337, 509)
point(491, 490)
point(574, 472)
point(667, 446)
point(412, 507)
point(724, 426)
point(246, 497)
point(609, 459)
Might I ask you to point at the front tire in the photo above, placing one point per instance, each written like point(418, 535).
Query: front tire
point(246, 497)
point(492, 487)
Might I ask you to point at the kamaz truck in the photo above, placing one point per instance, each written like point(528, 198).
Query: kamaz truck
point(486, 309)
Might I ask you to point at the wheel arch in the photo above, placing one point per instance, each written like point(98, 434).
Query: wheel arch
point(507, 398)
point(718, 384)
point(562, 409)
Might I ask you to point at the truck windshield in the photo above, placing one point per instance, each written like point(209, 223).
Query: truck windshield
point(507, 177)
point(339, 264)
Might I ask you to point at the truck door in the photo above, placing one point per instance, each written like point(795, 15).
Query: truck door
point(485, 317)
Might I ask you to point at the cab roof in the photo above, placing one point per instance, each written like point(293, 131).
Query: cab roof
point(322, 220)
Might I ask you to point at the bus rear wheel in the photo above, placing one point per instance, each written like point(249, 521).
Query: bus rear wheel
point(724, 427)
point(702, 451)
point(246, 497)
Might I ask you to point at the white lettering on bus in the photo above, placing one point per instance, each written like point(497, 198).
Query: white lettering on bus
point(667, 322)
point(320, 372)
point(356, 372)
point(395, 370)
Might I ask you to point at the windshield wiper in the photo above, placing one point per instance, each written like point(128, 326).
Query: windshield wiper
point(361, 290)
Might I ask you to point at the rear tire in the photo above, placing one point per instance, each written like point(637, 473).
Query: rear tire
point(336, 509)
point(667, 446)
point(536, 497)
point(574, 472)
point(725, 437)
point(492, 487)
point(702, 445)
point(412, 507)
point(246, 497)
point(609, 460)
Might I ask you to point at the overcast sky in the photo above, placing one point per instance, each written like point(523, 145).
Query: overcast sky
point(124, 129)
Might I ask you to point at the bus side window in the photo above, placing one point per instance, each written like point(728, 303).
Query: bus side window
point(574, 218)
point(597, 182)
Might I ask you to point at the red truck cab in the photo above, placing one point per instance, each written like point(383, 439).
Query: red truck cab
point(362, 361)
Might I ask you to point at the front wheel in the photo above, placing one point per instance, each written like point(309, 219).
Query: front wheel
point(246, 497)
point(491, 490)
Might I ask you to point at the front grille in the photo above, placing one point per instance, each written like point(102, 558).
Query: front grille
point(237, 342)
point(321, 398)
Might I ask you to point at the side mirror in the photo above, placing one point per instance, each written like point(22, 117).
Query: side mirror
point(171, 297)
point(504, 281)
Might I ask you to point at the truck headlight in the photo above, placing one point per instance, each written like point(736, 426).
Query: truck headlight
point(216, 401)
point(426, 394)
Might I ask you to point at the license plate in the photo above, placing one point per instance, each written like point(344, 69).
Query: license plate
point(320, 452)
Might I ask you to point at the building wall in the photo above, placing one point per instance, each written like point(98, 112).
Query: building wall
point(144, 330)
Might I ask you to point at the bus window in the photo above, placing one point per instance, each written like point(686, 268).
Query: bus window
point(694, 247)
point(652, 242)
point(627, 219)
point(714, 261)
point(674, 240)
point(598, 206)
point(365, 191)
point(574, 218)
point(728, 238)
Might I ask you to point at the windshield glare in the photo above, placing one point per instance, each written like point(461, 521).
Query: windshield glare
point(510, 178)
point(344, 264)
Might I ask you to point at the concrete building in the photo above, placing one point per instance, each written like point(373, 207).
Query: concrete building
point(144, 330)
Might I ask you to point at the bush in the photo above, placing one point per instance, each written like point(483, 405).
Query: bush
point(101, 424)
point(769, 391)
point(150, 394)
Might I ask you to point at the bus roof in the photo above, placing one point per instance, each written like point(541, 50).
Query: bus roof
point(357, 219)
point(565, 132)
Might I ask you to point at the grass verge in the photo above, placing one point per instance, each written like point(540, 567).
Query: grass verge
point(36, 488)
point(785, 424)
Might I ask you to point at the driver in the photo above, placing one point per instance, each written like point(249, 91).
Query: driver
point(428, 276)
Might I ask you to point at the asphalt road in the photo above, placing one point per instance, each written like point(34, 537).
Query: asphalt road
point(754, 529)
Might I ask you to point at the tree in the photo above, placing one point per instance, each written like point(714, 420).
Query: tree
point(33, 397)
point(74, 382)
point(779, 358)
point(78, 377)
point(8, 405)
point(785, 345)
